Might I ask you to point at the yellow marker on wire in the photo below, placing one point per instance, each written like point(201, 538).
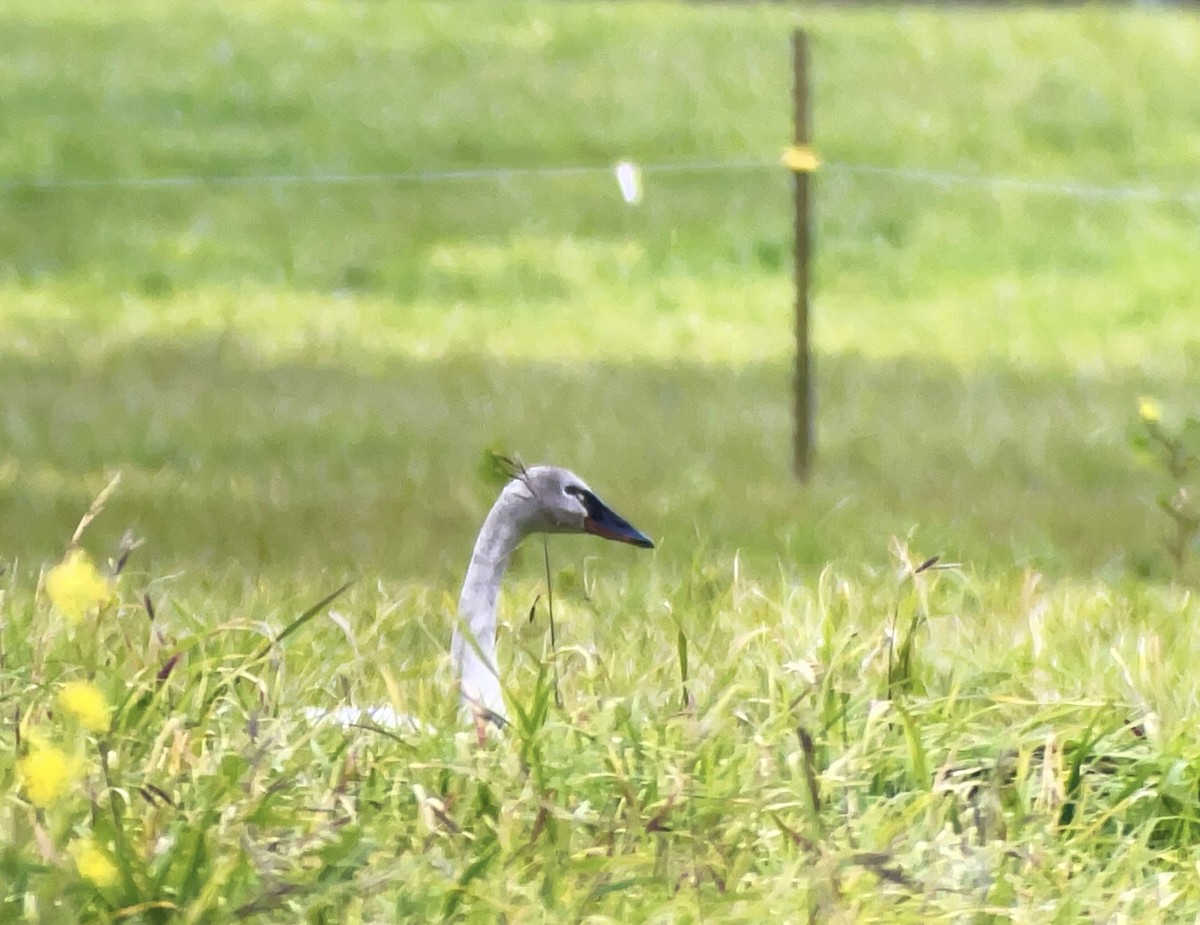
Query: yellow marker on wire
point(800, 159)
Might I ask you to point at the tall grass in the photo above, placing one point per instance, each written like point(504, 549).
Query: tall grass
point(1033, 757)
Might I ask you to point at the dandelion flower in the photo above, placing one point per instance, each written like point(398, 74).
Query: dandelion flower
point(1150, 410)
point(45, 773)
point(93, 863)
point(76, 587)
point(83, 700)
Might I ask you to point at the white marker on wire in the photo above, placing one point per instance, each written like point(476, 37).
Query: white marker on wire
point(629, 179)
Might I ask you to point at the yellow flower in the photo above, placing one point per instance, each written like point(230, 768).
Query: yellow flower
point(84, 700)
point(76, 587)
point(93, 863)
point(45, 773)
point(1150, 410)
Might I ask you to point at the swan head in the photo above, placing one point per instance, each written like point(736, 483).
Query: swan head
point(555, 500)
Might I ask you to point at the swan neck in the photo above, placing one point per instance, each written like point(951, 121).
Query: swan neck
point(473, 648)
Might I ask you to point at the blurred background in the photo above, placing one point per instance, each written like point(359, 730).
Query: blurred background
point(292, 268)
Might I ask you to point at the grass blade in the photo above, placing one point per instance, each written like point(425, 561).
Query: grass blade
point(302, 619)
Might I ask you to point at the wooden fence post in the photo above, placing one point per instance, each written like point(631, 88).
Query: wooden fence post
point(802, 141)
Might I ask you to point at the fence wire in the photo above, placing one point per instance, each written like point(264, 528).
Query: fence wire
point(1071, 188)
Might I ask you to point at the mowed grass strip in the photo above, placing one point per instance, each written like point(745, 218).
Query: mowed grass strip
point(321, 365)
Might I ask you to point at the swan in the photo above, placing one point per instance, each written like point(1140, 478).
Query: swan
point(538, 499)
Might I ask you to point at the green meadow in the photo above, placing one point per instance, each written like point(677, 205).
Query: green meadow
point(292, 269)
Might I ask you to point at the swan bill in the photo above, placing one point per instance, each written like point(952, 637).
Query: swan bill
point(604, 522)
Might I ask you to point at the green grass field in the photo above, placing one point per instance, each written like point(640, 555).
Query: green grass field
point(298, 380)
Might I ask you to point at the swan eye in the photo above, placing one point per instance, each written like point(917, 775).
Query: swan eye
point(584, 496)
